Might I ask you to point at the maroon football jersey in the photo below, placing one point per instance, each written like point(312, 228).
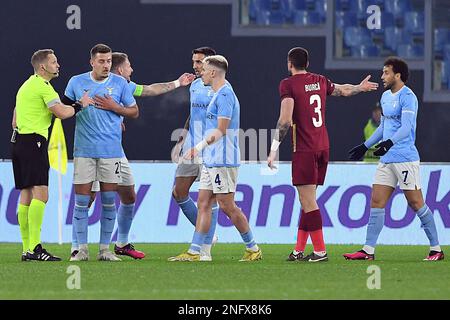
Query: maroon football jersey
point(309, 92)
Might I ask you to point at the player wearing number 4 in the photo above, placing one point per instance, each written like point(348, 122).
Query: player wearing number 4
point(221, 159)
point(399, 162)
point(303, 97)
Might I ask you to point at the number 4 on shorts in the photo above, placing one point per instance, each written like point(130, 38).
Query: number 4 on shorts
point(217, 180)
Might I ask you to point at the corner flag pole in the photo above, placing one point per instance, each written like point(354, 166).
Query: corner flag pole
point(60, 213)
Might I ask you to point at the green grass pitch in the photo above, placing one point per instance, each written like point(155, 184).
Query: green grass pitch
point(403, 275)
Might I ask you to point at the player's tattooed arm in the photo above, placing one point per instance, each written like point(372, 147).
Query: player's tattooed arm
point(282, 130)
point(348, 90)
point(157, 89)
point(283, 125)
point(285, 119)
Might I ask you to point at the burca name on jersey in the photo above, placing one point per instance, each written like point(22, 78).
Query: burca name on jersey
point(312, 87)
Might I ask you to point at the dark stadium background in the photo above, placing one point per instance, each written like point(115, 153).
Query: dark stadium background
point(159, 40)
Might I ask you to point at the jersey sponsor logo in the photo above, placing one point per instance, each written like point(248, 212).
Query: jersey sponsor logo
point(199, 105)
point(395, 117)
point(312, 87)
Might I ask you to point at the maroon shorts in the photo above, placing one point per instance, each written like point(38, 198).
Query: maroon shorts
point(309, 167)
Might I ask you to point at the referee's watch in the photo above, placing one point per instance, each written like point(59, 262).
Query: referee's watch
point(77, 105)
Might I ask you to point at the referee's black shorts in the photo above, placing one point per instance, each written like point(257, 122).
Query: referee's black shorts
point(30, 160)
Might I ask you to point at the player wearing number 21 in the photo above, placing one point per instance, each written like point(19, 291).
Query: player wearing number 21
point(303, 96)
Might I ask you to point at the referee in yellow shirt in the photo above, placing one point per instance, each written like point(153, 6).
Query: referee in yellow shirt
point(36, 103)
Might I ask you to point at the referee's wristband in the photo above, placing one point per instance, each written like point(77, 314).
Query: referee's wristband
point(275, 145)
point(177, 83)
point(201, 145)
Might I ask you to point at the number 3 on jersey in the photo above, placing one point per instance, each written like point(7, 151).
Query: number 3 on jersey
point(316, 98)
point(217, 180)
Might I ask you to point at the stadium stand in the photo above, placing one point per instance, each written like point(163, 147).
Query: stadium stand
point(402, 31)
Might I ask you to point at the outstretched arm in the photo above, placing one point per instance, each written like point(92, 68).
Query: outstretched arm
point(348, 90)
point(157, 89)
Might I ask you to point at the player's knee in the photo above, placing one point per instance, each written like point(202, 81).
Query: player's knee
point(377, 202)
point(307, 203)
point(226, 206)
point(202, 206)
point(40, 194)
point(179, 193)
point(416, 204)
point(128, 198)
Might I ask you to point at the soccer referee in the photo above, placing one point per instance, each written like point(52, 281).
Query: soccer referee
point(36, 102)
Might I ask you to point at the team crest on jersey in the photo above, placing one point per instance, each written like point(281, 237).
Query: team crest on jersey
point(210, 93)
point(110, 90)
point(394, 104)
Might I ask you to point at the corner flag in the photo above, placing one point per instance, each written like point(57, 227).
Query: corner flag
point(57, 150)
point(57, 156)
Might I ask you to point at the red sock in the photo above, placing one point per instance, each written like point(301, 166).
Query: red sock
point(317, 240)
point(302, 234)
point(315, 230)
point(302, 238)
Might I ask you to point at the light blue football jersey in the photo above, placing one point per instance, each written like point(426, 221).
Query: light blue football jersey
point(200, 97)
point(98, 133)
point(394, 105)
point(225, 152)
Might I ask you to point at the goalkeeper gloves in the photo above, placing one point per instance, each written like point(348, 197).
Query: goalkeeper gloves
point(357, 153)
point(383, 147)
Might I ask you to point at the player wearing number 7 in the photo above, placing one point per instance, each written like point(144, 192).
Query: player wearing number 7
point(399, 162)
point(303, 97)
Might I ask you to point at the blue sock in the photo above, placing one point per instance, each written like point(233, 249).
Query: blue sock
point(376, 223)
point(108, 216)
point(189, 209)
point(80, 218)
point(212, 228)
point(197, 241)
point(74, 239)
point(248, 239)
point(124, 220)
point(427, 219)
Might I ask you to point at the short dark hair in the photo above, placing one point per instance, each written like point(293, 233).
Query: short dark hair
point(100, 48)
point(217, 61)
point(299, 58)
point(398, 66)
point(39, 57)
point(118, 58)
point(207, 51)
